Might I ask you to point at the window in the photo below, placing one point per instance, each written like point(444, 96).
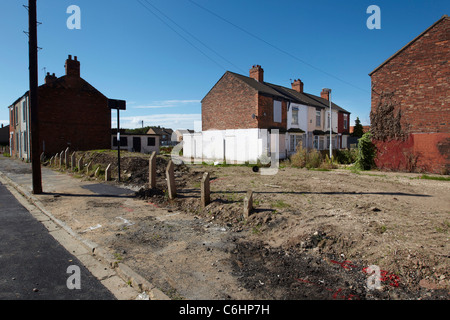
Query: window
point(345, 121)
point(24, 111)
point(328, 120)
point(276, 111)
point(151, 141)
point(294, 115)
point(25, 142)
point(316, 142)
point(16, 117)
point(295, 141)
point(123, 142)
point(318, 120)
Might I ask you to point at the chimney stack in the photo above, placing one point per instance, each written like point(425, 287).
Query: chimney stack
point(72, 67)
point(49, 77)
point(325, 94)
point(257, 73)
point(297, 85)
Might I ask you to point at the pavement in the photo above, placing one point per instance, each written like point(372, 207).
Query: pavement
point(37, 250)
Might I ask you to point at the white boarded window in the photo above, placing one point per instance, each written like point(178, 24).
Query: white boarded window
point(276, 111)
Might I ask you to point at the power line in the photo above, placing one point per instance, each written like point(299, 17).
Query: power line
point(179, 34)
point(193, 36)
point(274, 46)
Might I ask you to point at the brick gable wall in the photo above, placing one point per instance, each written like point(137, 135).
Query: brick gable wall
point(418, 77)
point(229, 105)
point(74, 115)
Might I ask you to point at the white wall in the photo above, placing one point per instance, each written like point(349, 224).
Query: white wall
point(302, 117)
point(232, 146)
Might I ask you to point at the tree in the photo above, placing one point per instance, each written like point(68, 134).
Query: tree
point(358, 130)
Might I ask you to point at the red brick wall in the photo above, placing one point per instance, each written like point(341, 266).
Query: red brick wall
point(266, 107)
point(428, 152)
point(229, 105)
point(73, 114)
point(419, 77)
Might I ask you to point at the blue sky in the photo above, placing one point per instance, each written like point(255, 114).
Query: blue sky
point(163, 72)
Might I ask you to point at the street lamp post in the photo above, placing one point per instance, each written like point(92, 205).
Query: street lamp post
point(331, 117)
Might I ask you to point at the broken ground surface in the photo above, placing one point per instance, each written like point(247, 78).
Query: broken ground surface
point(311, 236)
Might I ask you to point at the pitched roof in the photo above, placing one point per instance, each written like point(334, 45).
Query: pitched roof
point(444, 17)
point(287, 93)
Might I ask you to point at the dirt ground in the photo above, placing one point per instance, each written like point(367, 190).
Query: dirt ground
point(312, 234)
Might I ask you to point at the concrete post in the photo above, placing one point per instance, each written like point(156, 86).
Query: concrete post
point(108, 173)
point(61, 161)
point(80, 164)
point(88, 168)
point(205, 190)
point(152, 171)
point(66, 158)
point(248, 204)
point(73, 161)
point(171, 188)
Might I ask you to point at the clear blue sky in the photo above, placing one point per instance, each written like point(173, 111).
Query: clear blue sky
point(127, 53)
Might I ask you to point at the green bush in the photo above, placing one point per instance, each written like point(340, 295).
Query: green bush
point(346, 156)
point(366, 152)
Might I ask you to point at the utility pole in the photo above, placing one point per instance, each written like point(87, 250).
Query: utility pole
point(33, 98)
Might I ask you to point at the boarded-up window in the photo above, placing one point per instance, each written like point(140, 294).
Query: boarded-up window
point(276, 111)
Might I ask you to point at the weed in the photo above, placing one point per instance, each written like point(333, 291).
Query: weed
point(280, 204)
point(256, 229)
point(427, 177)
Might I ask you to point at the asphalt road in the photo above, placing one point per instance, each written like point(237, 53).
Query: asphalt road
point(33, 265)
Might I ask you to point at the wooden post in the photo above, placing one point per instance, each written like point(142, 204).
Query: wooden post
point(205, 190)
point(248, 204)
point(171, 188)
point(152, 171)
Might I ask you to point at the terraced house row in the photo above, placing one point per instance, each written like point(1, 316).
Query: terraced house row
point(241, 113)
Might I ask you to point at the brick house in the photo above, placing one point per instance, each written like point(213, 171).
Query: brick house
point(165, 135)
point(410, 108)
point(72, 113)
point(239, 114)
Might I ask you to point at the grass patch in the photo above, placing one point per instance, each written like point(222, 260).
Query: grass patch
point(427, 177)
point(6, 154)
point(280, 204)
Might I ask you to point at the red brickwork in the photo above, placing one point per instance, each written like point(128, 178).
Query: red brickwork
point(230, 105)
point(418, 76)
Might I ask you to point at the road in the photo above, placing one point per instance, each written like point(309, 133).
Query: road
point(33, 265)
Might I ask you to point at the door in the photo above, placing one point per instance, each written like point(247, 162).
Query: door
point(137, 144)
